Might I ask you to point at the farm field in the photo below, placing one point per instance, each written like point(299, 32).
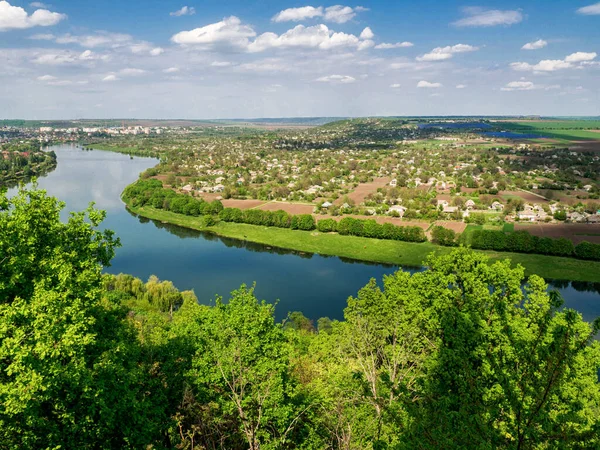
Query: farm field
point(361, 191)
point(241, 204)
point(568, 131)
point(576, 232)
point(526, 196)
point(290, 208)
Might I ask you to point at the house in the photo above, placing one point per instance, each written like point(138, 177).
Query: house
point(450, 209)
point(399, 209)
point(594, 218)
point(470, 204)
point(187, 188)
point(497, 206)
point(326, 205)
point(394, 183)
point(442, 203)
point(528, 216)
point(576, 216)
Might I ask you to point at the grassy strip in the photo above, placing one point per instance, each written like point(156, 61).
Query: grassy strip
point(374, 250)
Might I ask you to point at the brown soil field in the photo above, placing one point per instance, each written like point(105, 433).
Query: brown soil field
point(290, 208)
point(526, 196)
point(457, 227)
point(210, 197)
point(241, 204)
point(363, 189)
point(576, 232)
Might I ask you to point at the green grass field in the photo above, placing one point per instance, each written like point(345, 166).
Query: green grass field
point(567, 130)
point(373, 250)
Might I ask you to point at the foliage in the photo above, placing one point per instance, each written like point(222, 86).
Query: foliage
point(443, 236)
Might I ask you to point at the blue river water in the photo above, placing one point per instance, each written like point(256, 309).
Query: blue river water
point(318, 286)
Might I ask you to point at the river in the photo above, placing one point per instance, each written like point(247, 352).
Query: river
point(210, 265)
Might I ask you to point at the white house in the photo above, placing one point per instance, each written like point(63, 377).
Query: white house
point(497, 206)
point(470, 204)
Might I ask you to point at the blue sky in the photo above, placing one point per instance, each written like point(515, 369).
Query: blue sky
point(234, 59)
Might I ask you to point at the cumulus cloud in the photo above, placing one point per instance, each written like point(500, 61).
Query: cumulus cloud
point(184, 11)
point(385, 46)
point(55, 59)
point(427, 85)
point(336, 13)
point(590, 10)
point(220, 64)
point(367, 33)
point(581, 56)
point(443, 53)
point(111, 77)
point(578, 59)
point(15, 17)
point(461, 86)
point(157, 51)
point(481, 17)
point(395, 85)
point(536, 45)
point(317, 37)
point(171, 70)
point(343, 79)
point(229, 32)
point(298, 14)
point(519, 86)
point(46, 78)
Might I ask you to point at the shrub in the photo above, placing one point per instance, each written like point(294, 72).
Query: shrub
point(304, 222)
point(443, 236)
point(587, 250)
point(327, 225)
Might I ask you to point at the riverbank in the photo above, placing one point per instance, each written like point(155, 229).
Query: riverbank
point(372, 250)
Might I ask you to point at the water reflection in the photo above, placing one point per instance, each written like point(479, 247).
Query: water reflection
point(214, 265)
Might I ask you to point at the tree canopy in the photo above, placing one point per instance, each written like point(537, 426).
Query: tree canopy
point(465, 354)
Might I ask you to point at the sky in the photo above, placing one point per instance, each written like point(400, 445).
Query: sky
point(73, 59)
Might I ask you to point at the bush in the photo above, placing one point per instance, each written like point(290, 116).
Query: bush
point(587, 250)
point(327, 225)
point(304, 222)
point(443, 236)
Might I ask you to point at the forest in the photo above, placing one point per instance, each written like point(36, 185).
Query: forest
point(465, 354)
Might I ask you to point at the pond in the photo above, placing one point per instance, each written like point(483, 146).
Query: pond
point(210, 265)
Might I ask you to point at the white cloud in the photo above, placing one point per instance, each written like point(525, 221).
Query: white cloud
point(536, 45)
point(443, 53)
point(171, 70)
point(519, 86)
point(55, 59)
point(298, 14)
point(42, 37)
point(385, 46)
point(336, 13)
point(367, 33)
point(220, 64)
point(38, 5)
point(481, 17)
point(590, 10)
point(100, 39)
point(184, 11)
point(363, 45)
point(132, 72)
point(580, 56)
point(339, 14)
point(551, 65)
point(547, 65)
point(395, 85)
point(157, 51)
point(110, 77)
point(46, 78)
point(318, 37)
point(343, 79)
point(15, 17)
point(230, 32)
point(461, 86)
point(428, 85)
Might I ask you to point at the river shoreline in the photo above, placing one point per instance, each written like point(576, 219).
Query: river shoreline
point(372, 250)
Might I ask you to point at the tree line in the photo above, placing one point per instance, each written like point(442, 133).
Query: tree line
point(457, 356)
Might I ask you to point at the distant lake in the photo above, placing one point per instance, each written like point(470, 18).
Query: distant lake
point(316, 285)
point(457, 125)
